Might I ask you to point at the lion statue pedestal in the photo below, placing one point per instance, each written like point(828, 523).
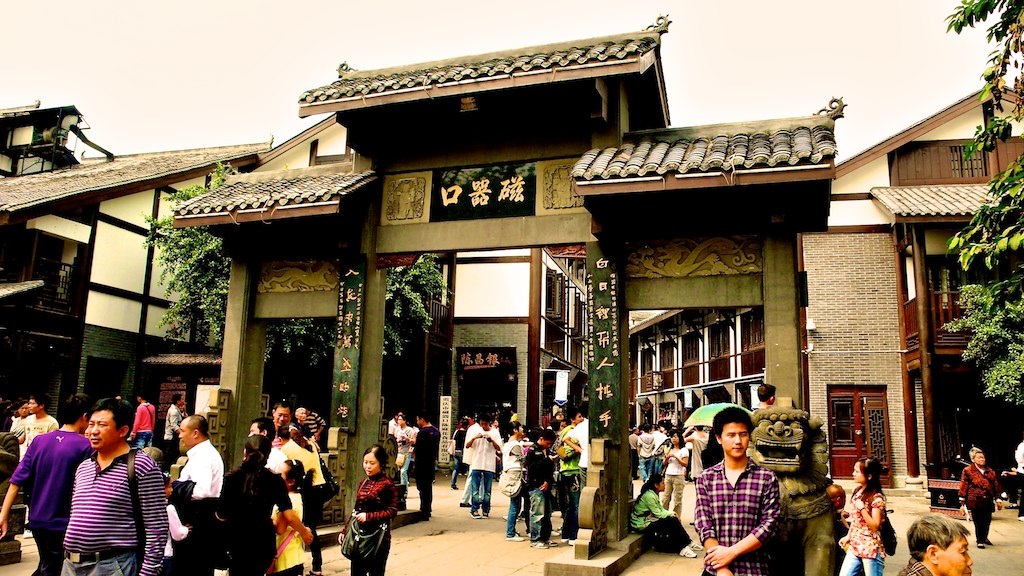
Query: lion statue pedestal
point(10, 454)
point(790, 443)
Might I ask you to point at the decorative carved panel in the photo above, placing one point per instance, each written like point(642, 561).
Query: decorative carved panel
point(405, 198)
point(555, 192)
point(395, 260)
point(312, 276)
point(688, 257)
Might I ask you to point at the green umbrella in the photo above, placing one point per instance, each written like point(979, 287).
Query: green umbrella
point(705, 414)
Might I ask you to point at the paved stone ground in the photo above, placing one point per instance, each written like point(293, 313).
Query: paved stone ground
point(452, 541)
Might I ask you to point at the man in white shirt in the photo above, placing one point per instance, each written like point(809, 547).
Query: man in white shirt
point(659, 443)
point(485, 442)
point(205, 468)
point(579, 438)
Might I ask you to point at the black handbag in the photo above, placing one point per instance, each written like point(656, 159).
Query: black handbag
point(362, 544)
point(330, 488)
point(888, 535)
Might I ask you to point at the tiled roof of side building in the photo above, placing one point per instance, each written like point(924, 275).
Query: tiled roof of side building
point(269, 191)
point(714, 148)
point(550, 57)
point(935, 200)
point(94, 174)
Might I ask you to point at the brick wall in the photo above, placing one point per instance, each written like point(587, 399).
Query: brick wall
point(101, 342)
point(505, 335)
point(853, 301)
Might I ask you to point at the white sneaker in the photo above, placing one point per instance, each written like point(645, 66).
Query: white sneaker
point(572, 542)
point(1021, 518)
point(696, 547)
point(539, 545)
point(514, 539)
point(565, 540)
point(687, 552)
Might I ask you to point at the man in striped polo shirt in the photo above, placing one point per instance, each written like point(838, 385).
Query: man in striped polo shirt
point(102, 538)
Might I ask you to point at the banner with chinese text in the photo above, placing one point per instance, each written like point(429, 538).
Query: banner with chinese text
point(352, 278)
point(603, 356)
point(491, 192)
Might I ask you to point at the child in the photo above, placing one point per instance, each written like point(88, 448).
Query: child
point(176, 531)
point(290, 555)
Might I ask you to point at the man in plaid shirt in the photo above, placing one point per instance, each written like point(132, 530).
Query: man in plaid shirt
point(738, 504)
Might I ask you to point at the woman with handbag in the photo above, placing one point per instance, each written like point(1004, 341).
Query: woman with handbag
point(404, 436)
point(376, 504)
point(865, 511)
point(249, 495)
point(676, 460)
point(650, 517)
point(978, 491)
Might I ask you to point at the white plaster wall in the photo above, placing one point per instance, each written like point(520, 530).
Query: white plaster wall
point(495, 253)
point(119, 259)
point(960, 128)
point(875, 173)
point(492, 290)
point(298, 157)
point(153, 316)
point(156, 288)
point(856, 213)
point(332, 141)
point(113, 312)
point(132, 208)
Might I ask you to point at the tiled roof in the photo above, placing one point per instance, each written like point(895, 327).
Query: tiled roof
point(266, 193)
point(485, 66)
point(94, 174)
point(12, 288)
point(938, 200)
point(714, 148)
point(183, 359)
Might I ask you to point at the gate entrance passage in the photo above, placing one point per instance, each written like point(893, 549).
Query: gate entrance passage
point(563, 145)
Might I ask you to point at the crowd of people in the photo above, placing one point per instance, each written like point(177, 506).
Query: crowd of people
point(102, 500)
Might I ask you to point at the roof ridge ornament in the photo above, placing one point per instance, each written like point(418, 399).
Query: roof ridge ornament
point(834, 110)
point(660, 25)
point(344, 68)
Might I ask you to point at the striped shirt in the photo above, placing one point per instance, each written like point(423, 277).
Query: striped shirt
point(730, 513)
point(101, 510)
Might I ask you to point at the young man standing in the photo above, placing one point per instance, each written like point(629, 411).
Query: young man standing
point(427, 443)
point(145, 422)
point(738, 504)
point(766, 396)
point(48, 472)
point(486, 443)
point(540, 477)
point(194, 556)
point(38, 421)
point(175, 415)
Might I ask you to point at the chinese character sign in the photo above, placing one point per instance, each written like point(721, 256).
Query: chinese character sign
point(603, 355)
point(345, 394)
point(491, 192)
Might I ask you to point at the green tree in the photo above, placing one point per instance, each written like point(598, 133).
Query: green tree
point(196, 271)
point(991, 243)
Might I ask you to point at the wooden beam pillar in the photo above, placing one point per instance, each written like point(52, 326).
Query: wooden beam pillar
point(783, 362)
point(241, 371)
point(909, 395)
point(926, 346)
point(533, 380)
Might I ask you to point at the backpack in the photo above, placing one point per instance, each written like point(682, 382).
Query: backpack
point(888, 534)
point(645, 448)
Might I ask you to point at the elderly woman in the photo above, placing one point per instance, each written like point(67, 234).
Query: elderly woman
point(978, 489)
point(938, 547)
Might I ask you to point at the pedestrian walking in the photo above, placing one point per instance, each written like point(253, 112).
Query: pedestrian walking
point(864, 512)
point(145, 422)
point(455, 446)
point(175, 415)
point(646, 447)
point(978, 489)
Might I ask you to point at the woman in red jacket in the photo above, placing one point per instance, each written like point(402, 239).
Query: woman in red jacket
point(376, 504)
point(978, 489)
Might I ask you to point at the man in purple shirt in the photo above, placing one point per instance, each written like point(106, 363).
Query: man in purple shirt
point(738, 504)
point(48, 471)
point(102, 537)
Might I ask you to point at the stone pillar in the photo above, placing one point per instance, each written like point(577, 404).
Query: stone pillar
point(604, 502)
point(241, 371)
point(783, 362)
point(926, 346)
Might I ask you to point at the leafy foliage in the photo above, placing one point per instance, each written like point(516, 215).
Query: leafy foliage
point(991, 243)
point(196, 271)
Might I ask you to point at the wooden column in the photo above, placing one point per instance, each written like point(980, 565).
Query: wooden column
point(909, 395)
point(533, 380)
point(783, 362)
point(241, 371)
point(926, 346)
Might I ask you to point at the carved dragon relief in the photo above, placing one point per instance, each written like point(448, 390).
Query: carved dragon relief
point(312, 276)
point(683, 257)
point(405, 198)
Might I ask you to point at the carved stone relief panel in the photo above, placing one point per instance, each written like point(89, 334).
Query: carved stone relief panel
point(555, 194)
point(405, 198)
point(310, 276)
point(683, 257)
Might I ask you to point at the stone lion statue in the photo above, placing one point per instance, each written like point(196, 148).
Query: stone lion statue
point(793, 445)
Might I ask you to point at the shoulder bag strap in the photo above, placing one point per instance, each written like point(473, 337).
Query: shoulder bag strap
point(133, 488)
point(280, 549)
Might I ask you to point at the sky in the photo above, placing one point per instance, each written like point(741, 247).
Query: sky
point(163, 75)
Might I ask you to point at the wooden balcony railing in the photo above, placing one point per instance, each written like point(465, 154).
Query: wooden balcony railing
point(56, 293)
point(945, 308)
point(440, 324)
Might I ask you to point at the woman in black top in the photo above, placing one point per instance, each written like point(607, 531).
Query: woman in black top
point(376, 504)
point(247, 499)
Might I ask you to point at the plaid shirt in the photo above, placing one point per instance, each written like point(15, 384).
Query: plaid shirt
point(730, 513)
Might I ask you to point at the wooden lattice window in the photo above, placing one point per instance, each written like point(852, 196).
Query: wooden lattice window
point(967, 168)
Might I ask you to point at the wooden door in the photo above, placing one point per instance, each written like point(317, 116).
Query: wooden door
point(858, 427)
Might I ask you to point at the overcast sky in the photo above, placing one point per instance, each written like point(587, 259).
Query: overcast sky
point(185, 74)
